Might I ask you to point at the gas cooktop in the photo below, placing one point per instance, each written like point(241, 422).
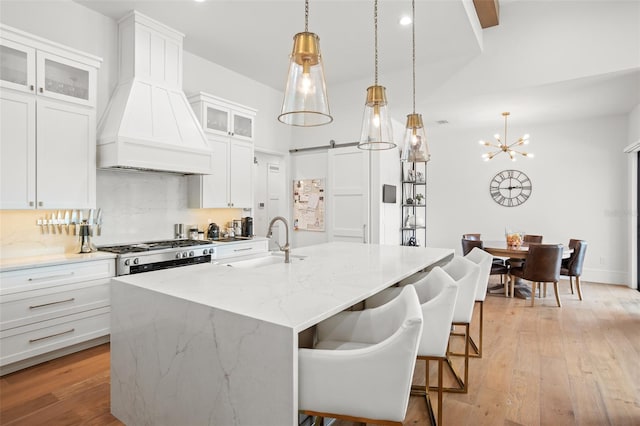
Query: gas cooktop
point(152, 245)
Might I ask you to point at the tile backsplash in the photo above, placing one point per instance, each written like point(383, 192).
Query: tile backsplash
point(136, 206)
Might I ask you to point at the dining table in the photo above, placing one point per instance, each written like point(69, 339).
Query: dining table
point(517, 252)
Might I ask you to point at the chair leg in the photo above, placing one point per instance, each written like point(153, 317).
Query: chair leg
point(555, 290)
point(506, 285)
point(462, 383)
point(571, 284)
point(475, 348)
point(578, 288)
point(533, 292)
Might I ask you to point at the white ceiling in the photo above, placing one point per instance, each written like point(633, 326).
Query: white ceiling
point(254, 38)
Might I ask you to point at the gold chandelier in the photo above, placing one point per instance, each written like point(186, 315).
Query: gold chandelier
point(377, 133)
point(415, 140)
point(503, 147)
point(305, 98)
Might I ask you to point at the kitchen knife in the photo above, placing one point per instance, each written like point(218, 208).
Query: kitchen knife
point(91, 221)
point(74, 221)
point(52, 225)
point(59, 222)
point(66, 220)
point(80, 218)
point(99, 221)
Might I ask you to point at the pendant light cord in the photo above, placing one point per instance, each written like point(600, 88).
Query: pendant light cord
point(306, 16)
point(413, 52)
point(375, 32)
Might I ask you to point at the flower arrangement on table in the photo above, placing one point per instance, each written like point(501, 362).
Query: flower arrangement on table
point(514, 239)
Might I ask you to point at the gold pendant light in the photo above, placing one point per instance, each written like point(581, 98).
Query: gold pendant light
point(305, 97)
point(415, 139)
point(503, 147)
point(377, 133)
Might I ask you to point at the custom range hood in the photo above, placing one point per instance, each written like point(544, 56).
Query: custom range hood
point(148, 123)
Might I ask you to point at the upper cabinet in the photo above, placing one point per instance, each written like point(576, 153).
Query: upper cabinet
point(48, 132)
point(229, 130)
point(220, 117)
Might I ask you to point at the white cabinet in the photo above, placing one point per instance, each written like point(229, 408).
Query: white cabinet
point(229, 130)
point(44, 309)
point(48, 134)
point(241, 248)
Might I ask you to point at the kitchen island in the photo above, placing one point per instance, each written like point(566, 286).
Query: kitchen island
point(217, 345)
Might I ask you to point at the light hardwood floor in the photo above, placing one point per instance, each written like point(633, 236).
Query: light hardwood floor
point(575, 365)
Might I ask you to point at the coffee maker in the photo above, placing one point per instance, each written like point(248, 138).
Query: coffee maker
point(247, 227)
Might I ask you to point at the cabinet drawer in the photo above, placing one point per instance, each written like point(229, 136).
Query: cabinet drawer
point(49, 276)
point(24, 342)
point(41, 305)
point(240, 249)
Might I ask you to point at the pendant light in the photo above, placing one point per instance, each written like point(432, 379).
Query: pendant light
point(377, 133)
point(305, 96)
point(415, 140)
point(511, 150)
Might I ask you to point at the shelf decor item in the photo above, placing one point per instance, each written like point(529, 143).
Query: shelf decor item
point(305, 97)
point(377, 133)
point(419, 198)
point(414, 146)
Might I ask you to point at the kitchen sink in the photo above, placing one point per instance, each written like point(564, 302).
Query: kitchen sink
point(270, 259)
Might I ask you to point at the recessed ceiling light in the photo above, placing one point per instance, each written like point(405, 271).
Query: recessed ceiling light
point(405, 20)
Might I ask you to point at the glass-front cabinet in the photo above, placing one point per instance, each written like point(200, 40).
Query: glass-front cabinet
point(228, 119)
point(30, 70)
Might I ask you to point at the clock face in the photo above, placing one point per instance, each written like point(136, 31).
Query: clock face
point(510, 188)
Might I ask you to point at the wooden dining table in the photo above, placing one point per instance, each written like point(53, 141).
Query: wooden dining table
point(501, 249)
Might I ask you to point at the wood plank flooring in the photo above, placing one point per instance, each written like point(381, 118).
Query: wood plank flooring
point(575, 365)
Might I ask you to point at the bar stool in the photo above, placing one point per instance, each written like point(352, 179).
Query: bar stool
point(437, 293)
point(362, 364)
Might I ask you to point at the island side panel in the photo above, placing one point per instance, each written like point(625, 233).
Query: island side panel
point(178, 362)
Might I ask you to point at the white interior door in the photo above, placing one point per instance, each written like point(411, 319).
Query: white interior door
point(270, 195)
point(348, 211)
point(276, 200)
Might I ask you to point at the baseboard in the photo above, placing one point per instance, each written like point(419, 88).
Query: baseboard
point(605, 276)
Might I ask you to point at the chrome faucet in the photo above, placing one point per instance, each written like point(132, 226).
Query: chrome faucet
point(285, 249)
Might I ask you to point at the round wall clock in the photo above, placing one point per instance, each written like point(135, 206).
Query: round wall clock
point(510, 188)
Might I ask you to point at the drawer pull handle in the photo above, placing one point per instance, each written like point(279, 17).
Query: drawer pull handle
point(50, 277)
point(52, 303)
point(53, 335)
point(244, 249)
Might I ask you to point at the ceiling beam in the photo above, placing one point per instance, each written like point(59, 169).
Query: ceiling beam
point(488, 12)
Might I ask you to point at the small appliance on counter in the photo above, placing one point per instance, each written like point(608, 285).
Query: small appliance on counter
point(247, 227)
point(213, 233)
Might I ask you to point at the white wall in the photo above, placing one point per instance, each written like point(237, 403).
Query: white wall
point(579, 190)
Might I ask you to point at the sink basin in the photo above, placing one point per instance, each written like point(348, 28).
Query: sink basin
point(269, 259)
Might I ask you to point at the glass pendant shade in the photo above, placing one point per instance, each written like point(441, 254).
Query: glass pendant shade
point(377, 133)
point(415, 140)
point(305, 97)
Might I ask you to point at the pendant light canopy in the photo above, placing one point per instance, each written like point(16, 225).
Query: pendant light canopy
point(415, 139)
point(377, 133)
point(305, 97)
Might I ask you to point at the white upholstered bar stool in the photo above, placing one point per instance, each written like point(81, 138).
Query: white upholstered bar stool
point(437, 293)
point(361, 366)
point(466, 274)
point(484, 260)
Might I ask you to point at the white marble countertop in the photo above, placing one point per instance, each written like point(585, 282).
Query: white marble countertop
point(13, 264)
point(331, 278)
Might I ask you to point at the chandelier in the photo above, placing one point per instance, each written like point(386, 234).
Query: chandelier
point(305, 98)
point(377, 133)
point(415, 140)
point(502, 146)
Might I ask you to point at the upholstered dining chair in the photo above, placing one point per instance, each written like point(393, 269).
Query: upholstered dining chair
point(371, 354)
point(485, 261)
point(437, 293)
point(528, 238)
point(572, 267)
point(542, 266)
point(498, 266)
point(466, 274)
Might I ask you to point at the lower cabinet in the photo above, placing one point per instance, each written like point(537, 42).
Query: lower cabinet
point(45, 309)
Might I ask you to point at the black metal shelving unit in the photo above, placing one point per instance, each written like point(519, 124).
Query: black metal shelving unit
point(414, 182)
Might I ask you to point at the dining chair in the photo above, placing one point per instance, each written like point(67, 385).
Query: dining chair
point(572, 267)
point(542, 266)
point(498, 266)
point(361, 366)
point(437, 294)
point(466, 274)
point(528, 238)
